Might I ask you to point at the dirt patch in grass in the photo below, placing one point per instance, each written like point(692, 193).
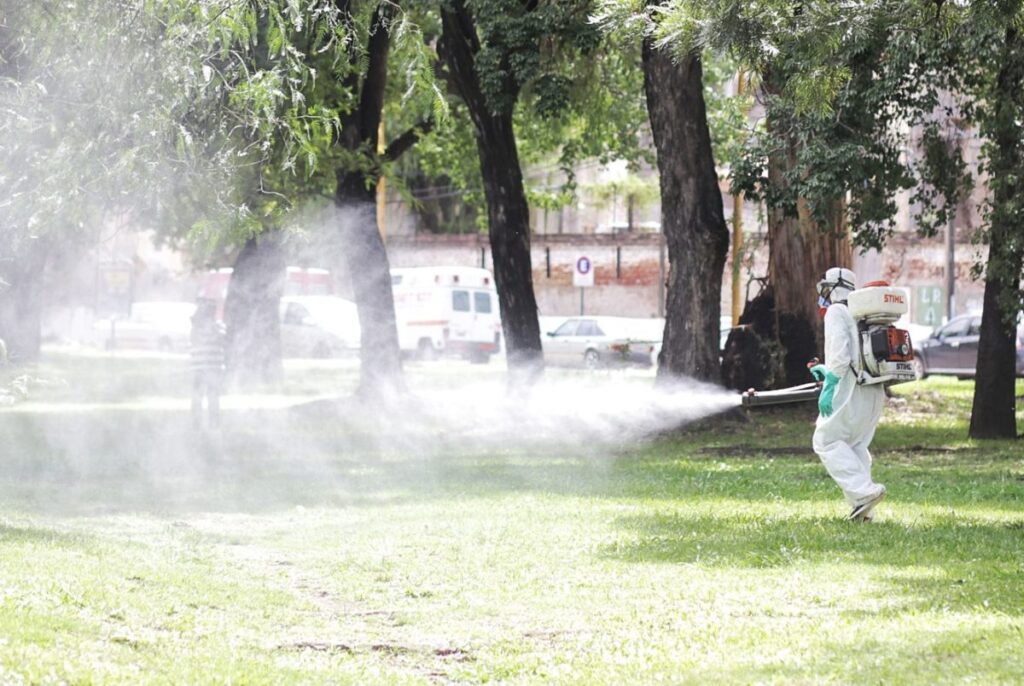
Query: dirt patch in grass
point(318, 646)
point(457, 654)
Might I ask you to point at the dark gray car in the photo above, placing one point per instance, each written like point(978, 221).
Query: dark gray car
point(953, 349)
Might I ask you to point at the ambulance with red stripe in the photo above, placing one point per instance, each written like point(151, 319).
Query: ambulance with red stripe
point(447, 311)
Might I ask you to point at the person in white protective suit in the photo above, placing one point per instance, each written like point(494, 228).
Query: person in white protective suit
point(848, 411)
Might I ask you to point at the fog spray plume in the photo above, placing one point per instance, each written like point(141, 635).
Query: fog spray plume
point(557, 413)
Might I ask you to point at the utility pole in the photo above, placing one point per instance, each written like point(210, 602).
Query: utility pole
point(382, 189)
point(737, 233)
point(953, 141)
point(951, 267)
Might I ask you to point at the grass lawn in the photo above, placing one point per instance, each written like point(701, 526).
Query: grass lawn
point(301, 547)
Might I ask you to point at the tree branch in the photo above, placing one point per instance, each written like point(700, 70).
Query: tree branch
point(398, 146)
point(457, 47)
point(371, 100)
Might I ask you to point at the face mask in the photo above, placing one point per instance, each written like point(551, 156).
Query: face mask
point(823, 304)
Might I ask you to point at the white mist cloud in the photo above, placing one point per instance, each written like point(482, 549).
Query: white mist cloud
point(577, 413)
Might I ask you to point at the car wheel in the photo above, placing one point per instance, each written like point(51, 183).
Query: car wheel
point(425, 350)
point(920, 370)
point(591, 360)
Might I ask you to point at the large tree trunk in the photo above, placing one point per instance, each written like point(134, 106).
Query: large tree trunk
point(799, 252)
point(21, 303)
point(692, 215)
point(365, 254)
point(508, 212)
point(251, 311)
point(370, 270)
point(993, 414)
point(508, 216)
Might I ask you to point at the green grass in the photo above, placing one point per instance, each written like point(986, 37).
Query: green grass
point(289, 551)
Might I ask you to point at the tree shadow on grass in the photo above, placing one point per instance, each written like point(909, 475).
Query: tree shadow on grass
point(939, 562)
point(888, 653)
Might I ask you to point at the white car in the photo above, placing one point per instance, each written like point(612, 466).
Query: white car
point(319, 326)
point(603, 341)
point(163, 326)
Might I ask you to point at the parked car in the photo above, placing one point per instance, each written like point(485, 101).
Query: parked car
point(953, 349)
point(548, 323)
point(319, 326)
point(163, 326)
point(603, 341)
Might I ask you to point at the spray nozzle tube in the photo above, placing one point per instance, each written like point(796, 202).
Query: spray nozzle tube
point(784, 396)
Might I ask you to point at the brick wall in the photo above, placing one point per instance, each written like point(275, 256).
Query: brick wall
point(629, 268)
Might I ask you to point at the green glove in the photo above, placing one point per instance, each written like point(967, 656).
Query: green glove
point(818, 371)
point(827, 391)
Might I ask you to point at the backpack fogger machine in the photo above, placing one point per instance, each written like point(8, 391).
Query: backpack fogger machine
point(886, 354)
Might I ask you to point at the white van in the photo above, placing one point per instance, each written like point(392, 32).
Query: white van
point(319, 326)
point(447, 311)
point(163, 326)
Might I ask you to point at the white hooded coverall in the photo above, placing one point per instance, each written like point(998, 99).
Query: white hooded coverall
point(841, 440)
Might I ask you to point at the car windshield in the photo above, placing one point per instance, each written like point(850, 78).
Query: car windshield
point(568, 328)
point(957, 327)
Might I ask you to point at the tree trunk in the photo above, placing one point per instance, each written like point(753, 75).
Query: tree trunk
point(993, 414)
point(368, 265)
point(508, 212)
point(21, 303)
point(508, 216)
point(364, 250)
point(251, 312)
point(799, 252)
point(692, 216)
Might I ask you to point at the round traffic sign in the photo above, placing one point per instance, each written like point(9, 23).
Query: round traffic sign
point(583, 265)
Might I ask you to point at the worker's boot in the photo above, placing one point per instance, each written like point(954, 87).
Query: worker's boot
point(862, 511)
